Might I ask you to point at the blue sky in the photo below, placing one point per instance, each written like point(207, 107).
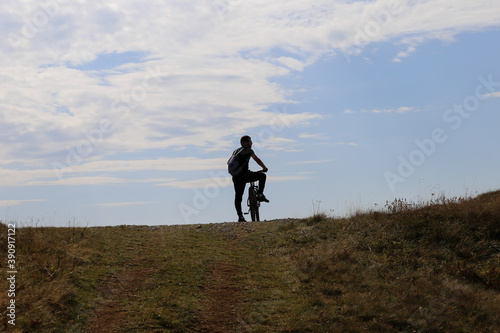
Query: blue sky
point(126, 112)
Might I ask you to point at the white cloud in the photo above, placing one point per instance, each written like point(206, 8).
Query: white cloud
point(9, 203)
point(353, 144)
point(292, 63)
point(404, 109)
point(311, 162)
point(160, 164)
point(493, 95)
point(72, 175)
point(404, 54)
point(279, 144)
point(315, 136)
point(79, 181)
point(301, 176)
point(215, 66)
point(122, 204)
point(212, 184)
point(401, 109)
point(165, 28)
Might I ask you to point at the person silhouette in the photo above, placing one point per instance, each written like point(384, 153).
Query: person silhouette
point(243, 154)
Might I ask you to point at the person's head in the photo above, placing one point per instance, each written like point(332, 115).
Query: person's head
point(246, 141)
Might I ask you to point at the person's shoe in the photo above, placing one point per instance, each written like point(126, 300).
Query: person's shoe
point(262, 197)
point(241, 219)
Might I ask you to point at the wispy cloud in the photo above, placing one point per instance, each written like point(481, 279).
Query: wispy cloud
point(311, 162)
point(160, 164)
point(315, 136)
point(286, 178)
point(8, 203)
point(404, 54)
point(85, 174)
point(292, 63)
point(353, 144)
point(402, 109)
point(493, 95)
point(220, 181)
point(82, 181)
point(280, 144)
point(122, 204)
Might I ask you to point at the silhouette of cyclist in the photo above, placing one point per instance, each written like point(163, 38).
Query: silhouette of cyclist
point(247, 176)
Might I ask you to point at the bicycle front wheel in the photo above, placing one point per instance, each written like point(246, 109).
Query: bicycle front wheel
point(257, 217)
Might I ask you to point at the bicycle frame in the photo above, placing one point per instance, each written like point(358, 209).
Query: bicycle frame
point(252, 201)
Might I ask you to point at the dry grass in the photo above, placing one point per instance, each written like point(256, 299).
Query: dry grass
point(45, 263)
point(59, 271)
point(431, 267)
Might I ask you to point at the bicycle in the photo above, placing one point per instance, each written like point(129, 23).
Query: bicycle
point(252, 202)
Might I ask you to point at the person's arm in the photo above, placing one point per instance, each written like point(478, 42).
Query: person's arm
point(259, 162)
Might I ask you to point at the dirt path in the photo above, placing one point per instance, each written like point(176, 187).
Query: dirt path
point(110, 315)
point(222, 296)
point(224, 293)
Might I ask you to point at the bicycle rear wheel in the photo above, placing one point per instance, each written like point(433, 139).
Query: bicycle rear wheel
point(254, 204)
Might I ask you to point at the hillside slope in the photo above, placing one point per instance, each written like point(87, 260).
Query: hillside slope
point(433, 267)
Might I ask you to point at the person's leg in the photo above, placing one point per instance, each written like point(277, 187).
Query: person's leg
point(262, 182)
point(257, 176)
point(239, 189)
point(261, 178)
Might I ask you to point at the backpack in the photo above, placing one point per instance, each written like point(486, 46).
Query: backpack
point(234, 167)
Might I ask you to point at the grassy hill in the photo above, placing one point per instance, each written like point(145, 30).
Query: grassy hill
point(409, 268)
